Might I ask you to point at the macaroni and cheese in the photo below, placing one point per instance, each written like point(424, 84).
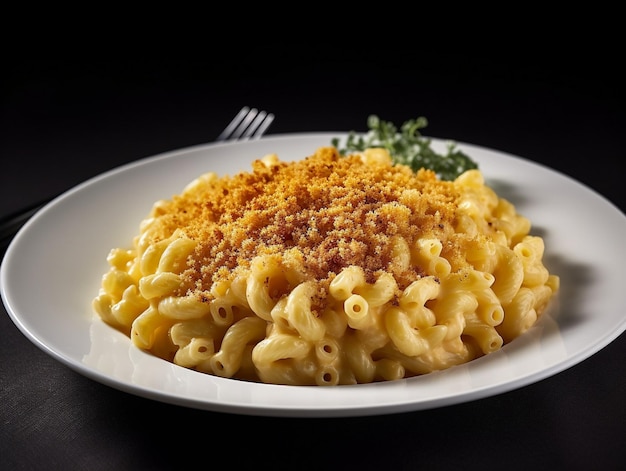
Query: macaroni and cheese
point(329, 270)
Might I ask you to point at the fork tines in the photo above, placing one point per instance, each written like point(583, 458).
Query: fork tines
point(249, 123)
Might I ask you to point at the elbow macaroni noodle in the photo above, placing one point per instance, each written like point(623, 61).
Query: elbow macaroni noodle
point(327, 271)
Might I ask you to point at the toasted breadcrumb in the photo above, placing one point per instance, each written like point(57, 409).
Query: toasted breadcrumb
point(321, 214)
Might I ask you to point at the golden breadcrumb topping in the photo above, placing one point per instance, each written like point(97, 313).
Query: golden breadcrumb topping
point(323, 213)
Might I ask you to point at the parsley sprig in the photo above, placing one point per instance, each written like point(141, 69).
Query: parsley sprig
point(408, 147)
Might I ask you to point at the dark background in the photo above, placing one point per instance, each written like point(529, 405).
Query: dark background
point(63, 121)
point(70, 120)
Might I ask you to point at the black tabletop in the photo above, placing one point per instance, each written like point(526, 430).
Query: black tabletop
point(64, 122)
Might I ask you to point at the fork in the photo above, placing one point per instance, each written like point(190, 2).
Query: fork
point(248, 123)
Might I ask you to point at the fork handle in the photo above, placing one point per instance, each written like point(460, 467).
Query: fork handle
point(9, 225)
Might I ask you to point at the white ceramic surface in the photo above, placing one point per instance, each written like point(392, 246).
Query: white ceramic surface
point(53, 267)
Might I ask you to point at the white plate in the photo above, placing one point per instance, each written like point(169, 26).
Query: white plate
point(53, 268)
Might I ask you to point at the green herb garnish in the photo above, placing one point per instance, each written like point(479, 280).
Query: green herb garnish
point(408, 147)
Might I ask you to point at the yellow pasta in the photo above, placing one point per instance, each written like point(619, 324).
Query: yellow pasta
point(327, 271)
